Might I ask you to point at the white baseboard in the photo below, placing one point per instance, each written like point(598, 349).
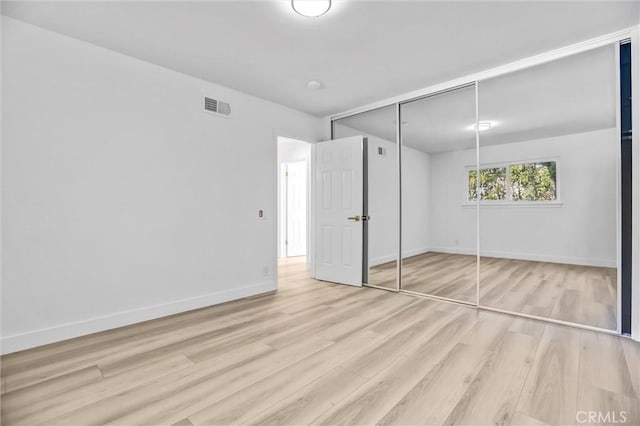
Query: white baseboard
point(453, 250)
point(394, 256)
point(605, 263)
point(30, 339)
point(382, 259)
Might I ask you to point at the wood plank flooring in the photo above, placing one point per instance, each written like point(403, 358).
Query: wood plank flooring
point(318, 353)
point(580, 294)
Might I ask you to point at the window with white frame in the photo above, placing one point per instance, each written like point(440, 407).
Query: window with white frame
point(514, 182)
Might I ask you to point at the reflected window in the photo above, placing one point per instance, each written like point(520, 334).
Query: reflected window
point(533, 181)
point(492, 185)
point(514, 182)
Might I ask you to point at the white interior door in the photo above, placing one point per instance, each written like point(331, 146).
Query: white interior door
point(296, 239)
point(338, 210)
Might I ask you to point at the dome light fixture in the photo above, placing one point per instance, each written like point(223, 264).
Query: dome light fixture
point(311, 8)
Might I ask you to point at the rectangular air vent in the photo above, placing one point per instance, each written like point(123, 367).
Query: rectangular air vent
point(217, 107)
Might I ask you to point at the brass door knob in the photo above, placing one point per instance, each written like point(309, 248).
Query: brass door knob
point(356, 218)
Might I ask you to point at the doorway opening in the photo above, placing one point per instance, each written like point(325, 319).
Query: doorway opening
point(294, 208)
point(293, 192)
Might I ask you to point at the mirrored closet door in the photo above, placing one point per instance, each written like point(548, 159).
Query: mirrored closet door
point(381, 159)
point(439, 246)
point(548, 190)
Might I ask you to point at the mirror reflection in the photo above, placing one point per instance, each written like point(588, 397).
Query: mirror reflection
point(439, 249)
point(547, 185)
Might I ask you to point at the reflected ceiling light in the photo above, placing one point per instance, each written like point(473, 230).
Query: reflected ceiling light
point(311, 8)
point(482, 126)
point(314, 85)
point(404, 123)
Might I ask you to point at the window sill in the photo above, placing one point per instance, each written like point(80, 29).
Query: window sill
point(534, 204)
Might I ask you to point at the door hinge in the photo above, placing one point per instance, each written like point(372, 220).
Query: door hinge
point(286, 242)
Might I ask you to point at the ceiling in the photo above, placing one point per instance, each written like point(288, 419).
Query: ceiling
point(362, 51)
point(571, 95)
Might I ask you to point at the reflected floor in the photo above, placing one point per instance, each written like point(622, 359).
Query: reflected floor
point(574, 293)
point(383, 275)
point(445, 275)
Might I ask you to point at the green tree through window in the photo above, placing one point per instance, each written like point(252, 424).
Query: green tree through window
point(514, 182)
point(492, 184)
point(533, 181)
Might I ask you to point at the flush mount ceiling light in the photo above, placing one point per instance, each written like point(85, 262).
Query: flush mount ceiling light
point(311, 8)
point(314, 85)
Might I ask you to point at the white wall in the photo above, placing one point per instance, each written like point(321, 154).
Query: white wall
point(416, 202)
point(122, 200)
point(452, 225)
point(383, 198)
point(289, 151)
point(582, 230)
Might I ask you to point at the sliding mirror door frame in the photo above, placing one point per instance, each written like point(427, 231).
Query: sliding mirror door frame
point(617, 39)
point(471, 122)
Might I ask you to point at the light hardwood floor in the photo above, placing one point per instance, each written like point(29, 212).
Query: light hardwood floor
point(579, 294)
point(325, 354)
